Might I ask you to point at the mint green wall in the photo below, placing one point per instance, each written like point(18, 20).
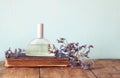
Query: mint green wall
point(94, 22)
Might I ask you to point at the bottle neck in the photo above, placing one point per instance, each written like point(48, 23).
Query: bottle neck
point(40, 31)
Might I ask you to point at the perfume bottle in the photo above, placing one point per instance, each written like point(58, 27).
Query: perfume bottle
point(39, 46)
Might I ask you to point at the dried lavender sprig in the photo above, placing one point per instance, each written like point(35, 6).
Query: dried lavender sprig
point(9, 53)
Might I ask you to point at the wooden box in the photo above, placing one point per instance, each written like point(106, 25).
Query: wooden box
point(28, 61)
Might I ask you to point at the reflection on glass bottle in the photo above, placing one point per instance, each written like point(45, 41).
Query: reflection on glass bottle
point(39, 46)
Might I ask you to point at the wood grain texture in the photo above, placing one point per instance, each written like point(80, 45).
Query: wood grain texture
point(89, 73)
point(62, 73)
point(36, 62)
point(106, 68)
point(101, 69)
point(19, 72)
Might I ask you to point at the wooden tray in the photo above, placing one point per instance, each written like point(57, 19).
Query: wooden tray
point(28, 61)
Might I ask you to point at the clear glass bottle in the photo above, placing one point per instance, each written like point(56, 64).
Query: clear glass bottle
point(39, 46)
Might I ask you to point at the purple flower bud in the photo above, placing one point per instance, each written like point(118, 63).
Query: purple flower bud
point(77, 44)
point(90, 46)
point(19, 50)
point(65, 50)
point(59, 41)
point(62, 46)
point(6, 54)
point(15, 51)
point(86, 53)
point(62, 38)
point(84, 46)
point(76, 49)
point(9, 49)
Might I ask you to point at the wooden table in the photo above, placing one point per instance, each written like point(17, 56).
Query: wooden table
point(101, 69)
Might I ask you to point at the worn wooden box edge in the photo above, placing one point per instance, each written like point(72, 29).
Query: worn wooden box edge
point(36, 62)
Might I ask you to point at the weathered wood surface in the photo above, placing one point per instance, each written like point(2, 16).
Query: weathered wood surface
point(62, 73)
point(101, 69)
point(35, 62)
point(107, 68)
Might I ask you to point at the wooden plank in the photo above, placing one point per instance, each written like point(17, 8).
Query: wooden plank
point(76, 73)
point(89, 73)
point(19, 72)
point(110, 68)
point(116, 75)
point(62, 73)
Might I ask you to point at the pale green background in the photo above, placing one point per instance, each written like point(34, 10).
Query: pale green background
point(94, 22)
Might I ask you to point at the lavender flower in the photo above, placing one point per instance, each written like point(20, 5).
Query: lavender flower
point(75, 52)
point(9, 53)
point(61, 40)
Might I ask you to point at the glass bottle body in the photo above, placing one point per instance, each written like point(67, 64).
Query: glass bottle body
point(39, 47)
